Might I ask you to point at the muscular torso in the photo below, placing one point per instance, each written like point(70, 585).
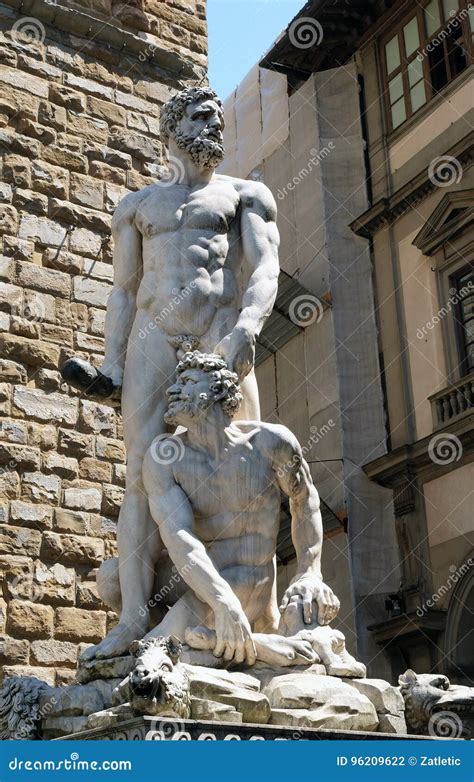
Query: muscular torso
point(241, 540)
point(191, 254)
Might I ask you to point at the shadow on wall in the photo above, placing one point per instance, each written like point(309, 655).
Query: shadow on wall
point(130, 13)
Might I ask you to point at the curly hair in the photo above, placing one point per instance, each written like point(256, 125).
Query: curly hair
point(173, 110)
point(223, 384)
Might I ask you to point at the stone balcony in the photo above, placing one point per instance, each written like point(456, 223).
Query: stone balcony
point(453, 402)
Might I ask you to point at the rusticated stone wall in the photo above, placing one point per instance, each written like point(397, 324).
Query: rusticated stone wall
point(80, 94)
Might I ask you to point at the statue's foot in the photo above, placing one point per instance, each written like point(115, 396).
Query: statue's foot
point(200, 637)
point(86, 378)
point(115, 644)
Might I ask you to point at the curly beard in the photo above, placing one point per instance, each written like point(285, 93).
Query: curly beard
point(205, 152)
point(190, 410)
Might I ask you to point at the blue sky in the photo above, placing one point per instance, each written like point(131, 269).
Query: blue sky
point(240, 31)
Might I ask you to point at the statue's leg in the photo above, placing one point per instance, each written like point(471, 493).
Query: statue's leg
point(149, 371)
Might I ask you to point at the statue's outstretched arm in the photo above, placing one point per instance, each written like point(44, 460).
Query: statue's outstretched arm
point(121, 306)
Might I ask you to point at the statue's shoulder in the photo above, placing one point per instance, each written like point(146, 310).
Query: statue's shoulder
point(128, 205)
point(278, 438)
point(249, 190)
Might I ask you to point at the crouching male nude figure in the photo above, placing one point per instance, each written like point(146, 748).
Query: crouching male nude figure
point(195, 266)
point(217, 508)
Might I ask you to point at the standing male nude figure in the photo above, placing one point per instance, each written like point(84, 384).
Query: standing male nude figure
point(210, 243)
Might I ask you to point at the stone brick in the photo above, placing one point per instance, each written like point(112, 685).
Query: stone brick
point(53, 333)
point(8, 219)
point(90, 87)
point(55, 583)
point(97, 321)
point(15, 567)
point(45, 674)
point(113, 196)
point(28, 515)
point(23, 145)
point(23, 81)
point(39, 305)
point(112, 450)
point(65, 158)
point(53, 652)
point(85, 242)
point(48, 379)
point(72, 549)
point(13, 651)
point(87, 596)
point(91, 291)
point(76, 443)
point(13, 431)
point(31, 352)
point(24, 327)
point(87, 191)
point(76, 624)
point(73, 214)
point(107, 111)
point(112, 499)
point(28, 200)
point(39, 487)
point(42, 230)
point(65, 96)
point(64, 261)
point(11, 297)
point(153, 90)
point(12, 372)
point(17, 170)
point(104, 171)
point(64, 466)
point(45, 437)
point(137, 104)
point(3, 615)
point(55, 116)
point(40, 132)
point(88, 127)
point(21, 249)
point(58, 408)
point(9, 484)
point(143, 123)
point(89, 342)
point(29, 620)
point(94, 417)
point(49, 179)
point(136, 145)
point(65, 677)
point(98, 270)
point(136, 181)
point(71, 314)
point(19, 457)
point(94, 470)
point(18, 103)
point(120, 474)
point(71, 521)
point(82, 498)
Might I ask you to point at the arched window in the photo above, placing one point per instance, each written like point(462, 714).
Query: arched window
point(459, 639)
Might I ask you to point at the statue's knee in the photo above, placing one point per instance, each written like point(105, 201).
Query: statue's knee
point(108, 584)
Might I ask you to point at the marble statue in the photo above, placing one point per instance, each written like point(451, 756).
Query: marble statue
point(195, 266)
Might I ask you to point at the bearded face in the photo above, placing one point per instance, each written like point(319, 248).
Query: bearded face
point(188, 398)
point(205, 150)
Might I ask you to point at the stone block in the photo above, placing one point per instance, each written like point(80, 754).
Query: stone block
point(89, 86)
point(13, 651)
point(112, 668)
point(39, 487)
point(64, 466)
point(334, 716)
point(43, 436)
point(87, 191)
point(19, 541)
point(83, 498)
point(107, 111)
point(34, 130)
point(88, 127)
point(19, 457)
point(87, 596)
point(55, 116)
point(33, 353)
point(17, 170)
point(65, 158)
point(9, 484)
point(112, 450)
point(57, 408)
point(21, 249)
point(53, 652)
point(29, 620)
point(49, 179)
point(67, 97)
point(71, 521)
point(76, 624)
point(108, 173)
point(28, 515)
point(91, 291)
point(29, 201)
point(45, 674)
point(8, 219)
point(97, 418)
point(11, 297)
point(13, 431)
point(386, 698)
point(23, 81)
point(42, 230)
point(94, 470)
point(140, 147)
point(75, 443)
point(55, 583)
point(85, 242)
point(72, 549)
point(112, 499)
point(208, 710)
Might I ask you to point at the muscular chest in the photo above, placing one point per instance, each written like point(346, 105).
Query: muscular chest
point(239, 483)
point(211, 209)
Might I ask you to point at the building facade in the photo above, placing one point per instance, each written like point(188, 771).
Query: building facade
point(360, 121)
point(81, 85)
